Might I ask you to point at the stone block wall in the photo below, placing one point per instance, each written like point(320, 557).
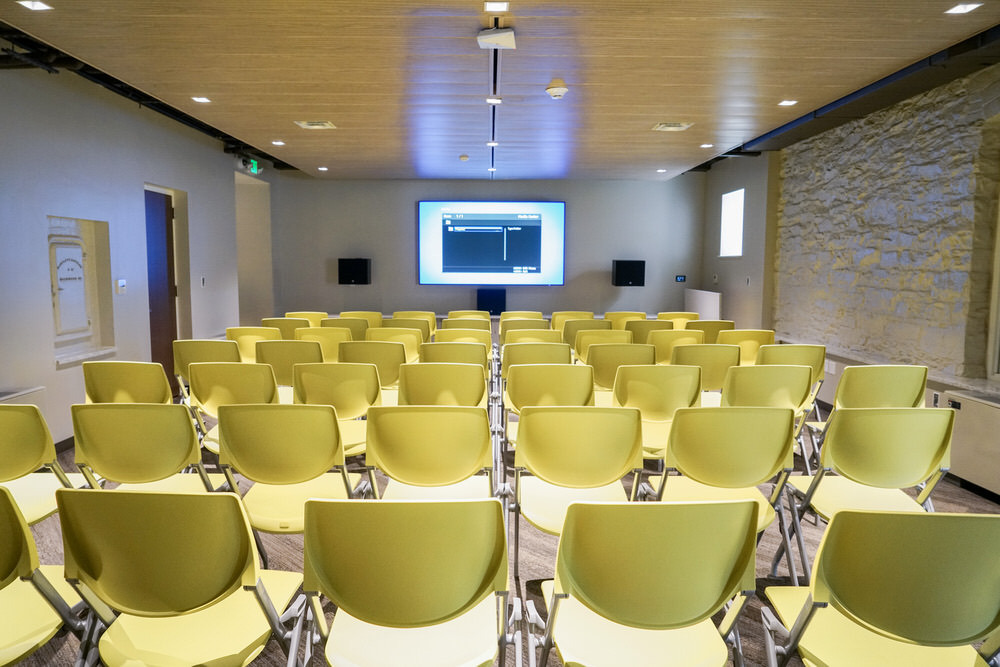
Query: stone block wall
point(885, 231)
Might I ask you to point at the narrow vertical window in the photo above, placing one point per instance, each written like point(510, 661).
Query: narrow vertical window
point(731, 231)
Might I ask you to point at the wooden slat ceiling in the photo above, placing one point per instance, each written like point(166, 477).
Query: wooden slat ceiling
point(405, 82)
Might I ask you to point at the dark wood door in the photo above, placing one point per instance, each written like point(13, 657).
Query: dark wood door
point(162, 285)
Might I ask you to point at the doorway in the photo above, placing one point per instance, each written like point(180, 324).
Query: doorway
point(162, 282)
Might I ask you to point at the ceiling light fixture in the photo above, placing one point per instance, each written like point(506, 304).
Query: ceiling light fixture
point(963, 8)
point(491, 169)
point(492, 144)
point(34, 5)
point(661, 171)
point(494, 100)
point(708, 145)
point(556, 89)
point(671, 127)
point(201, 100)
point(315, 124)
point(787, 103)
point(322, 168)
point(278, 142)
point(494, 7)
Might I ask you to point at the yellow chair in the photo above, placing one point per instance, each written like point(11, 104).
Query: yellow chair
point(411, 339)
point(520, 315)
point(813, 356)
point(420, 324)
point(607, 357)
point(665, 341)
point(374, 318)
point(139, 446)
point(618, 318)
point(749, 340)
point(356, 325)
point(570, 454)
point(173, 577)
point(290, 452)
point(329, 339)
point(876, 455)
point(715, 361)
point(678, 318)
point(656, 392)
point(126, 382)
point(282, 356)
point(190, 351)
point(533, 336)
point(439, 592)
point(684, 562)
point(286, 325)
point(430, 452)
point(442, 384)
point(559, 317)
point(247, 337)
point(351, 389)
point(481, 336)
point(544, 384)
point(427, 315)
point(641, 328)
point(315, 317)
point(893, 589)
point(29, 468)
point(516, 354)
point(469, 314)
point(710, 327)
point(514, 324)
point(587, 337)
point(214, 384)
point(457, 353)
point(387, 356)
point(465, 323)
point(726, 454)
point(36, 602)
point(571, 327)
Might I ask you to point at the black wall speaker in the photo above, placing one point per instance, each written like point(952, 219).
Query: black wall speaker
point(493, 300)
point(354, 271)
point(628, 272)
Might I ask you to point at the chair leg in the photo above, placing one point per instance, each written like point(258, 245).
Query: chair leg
point(260, 548)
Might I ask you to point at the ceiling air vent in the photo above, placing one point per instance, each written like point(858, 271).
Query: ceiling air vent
point(316, 125)
point(671, 127)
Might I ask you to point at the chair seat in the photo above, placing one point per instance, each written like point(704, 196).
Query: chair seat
point(353, 435)
point(211, 440)
point(26, 620)
point(685, 489)
point(469, 640)
point(585, 638)
point(838, 493)
point(654, 438)
point(603, 398)
point(544, 505)
point(280, 508)
point(477, 486)
point(833, 639)
point(231, 632)
point(182, 483)
point(286, 394)
point(390, 396)
point(711, 399)
point(35, 494)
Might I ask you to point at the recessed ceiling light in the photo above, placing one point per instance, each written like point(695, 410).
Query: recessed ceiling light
point(492, 144)
point(491, 169)
point(278, 142)
point(201, 100)
point(322, 168)
point(316, 125)
point(34, 5)
point(787, 103)
point(661, 171)
point(494, 100)
point(671, 127)
point(963, 8)
point(708, 145)
point(496, 6)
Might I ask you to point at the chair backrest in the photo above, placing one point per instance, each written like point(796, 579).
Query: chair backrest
point(143, 552)
point(428, 316)
point(387, 355)
point(532, 336)
point(373, 317)
point(685, 561)
point(428, 445)
point(410, 338)
point(679, 318)
point(442, 384)
point(618, 318)
point(607, 357)
point(418, 323)
point(534, 353)
point(466, 323)
point(134, 442)
point(587, 337)
point(571, 327)
point(247, 337)
point(280, 444)
point(520, 315)
point(888, 447)
point(470, 314)
point(666, 340)
point(191, 351)
point(731, 447)
point(25, 441)
point(126, 382)
point(286, 325)
point(559, 317)
point(925, 578)
point(18, 554)
point(351, 388)
point(549, 384)
point(881, 386)
point(657, 391)
point(767, 386)
point(418, 545)
point(512, 324)
point(282, 355)
point(458, 353)
point(481, 336)
point(329, 339)
point(714, 359)
point(796, 354)
point(315, 317)
point(710, 327)
point(640, 328)
point(356, 325)
point(578, 447)
point(215, 383)
point(749, 340)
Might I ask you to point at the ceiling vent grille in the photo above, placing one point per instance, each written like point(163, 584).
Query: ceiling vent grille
point(671, 127)
point(316, 125)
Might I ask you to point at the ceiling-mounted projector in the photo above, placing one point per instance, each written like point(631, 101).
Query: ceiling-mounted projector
point(496, 38)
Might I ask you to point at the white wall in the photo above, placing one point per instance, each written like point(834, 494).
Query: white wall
point(70, 148)
point(315, 222)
